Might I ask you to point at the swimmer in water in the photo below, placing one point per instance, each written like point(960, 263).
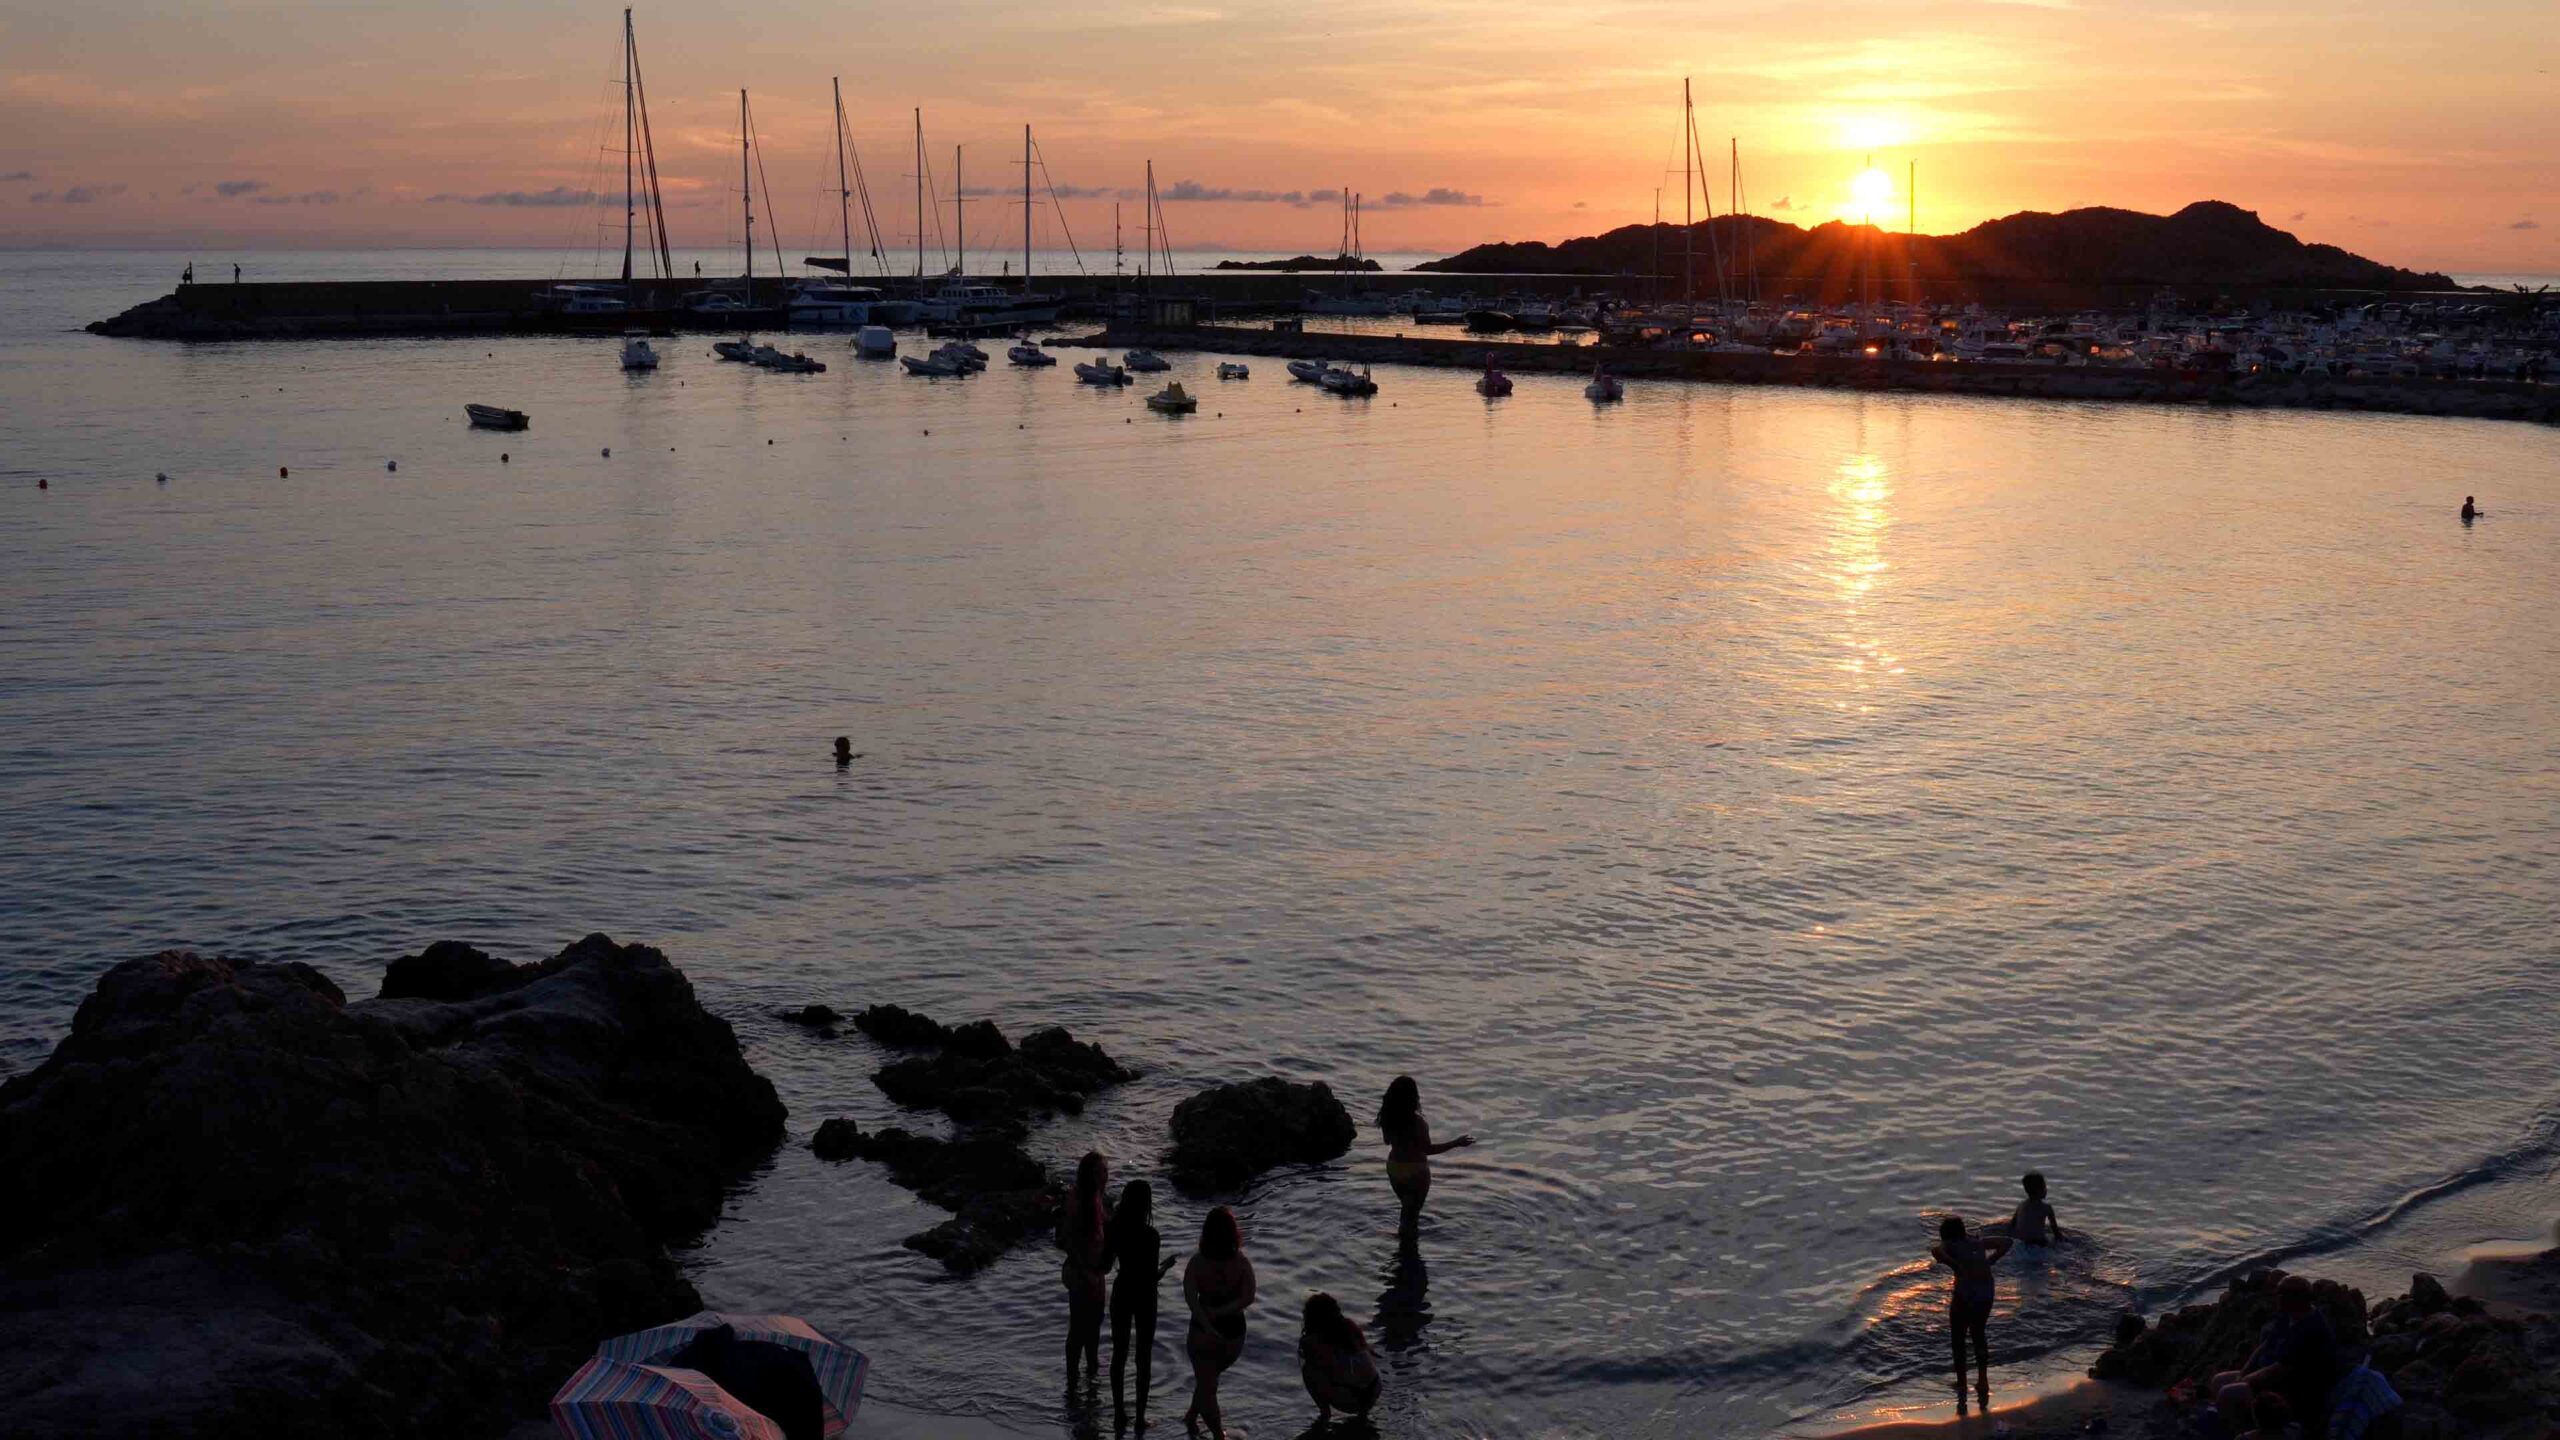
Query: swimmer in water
point(1409, 1150)
point(2034, 1220)
point(1969, 1302)
point(2470, 511)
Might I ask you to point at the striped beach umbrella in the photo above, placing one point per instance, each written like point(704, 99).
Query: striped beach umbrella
point(612, 1400)
point(840, 1369)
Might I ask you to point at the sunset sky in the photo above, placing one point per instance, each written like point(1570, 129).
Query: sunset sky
point(2430, 141)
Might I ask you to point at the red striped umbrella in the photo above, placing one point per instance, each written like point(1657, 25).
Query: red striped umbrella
point(614, 1400)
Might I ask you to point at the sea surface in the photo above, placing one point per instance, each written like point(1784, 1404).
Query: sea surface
point(1766, 820)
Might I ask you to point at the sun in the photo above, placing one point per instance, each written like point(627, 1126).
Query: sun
point(1870, 192)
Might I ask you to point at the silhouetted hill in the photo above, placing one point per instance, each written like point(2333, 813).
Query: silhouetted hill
point(2209, 243)
point(1298, 263)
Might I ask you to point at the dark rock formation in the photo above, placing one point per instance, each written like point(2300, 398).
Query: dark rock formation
point(1225, 1136)
point(980, 1078)
point(998, 1194)
point(820, 1018)
point(895, 1026)
point(1298, 263)
point(2199, 1341)
point(408, 1217)
point(451, 970)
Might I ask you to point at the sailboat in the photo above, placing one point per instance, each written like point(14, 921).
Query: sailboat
point(596, 304)
point(828, 301)
point(737, 309)
point(961, 308)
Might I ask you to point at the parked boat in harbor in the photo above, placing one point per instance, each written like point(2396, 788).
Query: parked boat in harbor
point(1101, 373)
point(497, 417)
point(636, 352)
point(1173, 400)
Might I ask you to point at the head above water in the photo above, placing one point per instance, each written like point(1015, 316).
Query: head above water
point(1951, 1229)
point(1220, 1238)
point(1403, 1103)
point(2033, 1180)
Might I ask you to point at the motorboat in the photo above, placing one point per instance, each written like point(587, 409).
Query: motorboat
point(875, 342)
point(967, 359)
point(743, 350)
point(986, 308)
point(575, 299)
point(1146, 360)
point(1492, 384)
point(496, 417)
point(936, 366)
point(1101, 373)
point(636, 354)
point(1173, 400)
point(1342, 382)
point(1604, 387)
point(764, 356)
point(1233, 370)
point(1023, 352)
point(1311, 371)
point(833, 303)
point(799, 364)
point(1491, 322)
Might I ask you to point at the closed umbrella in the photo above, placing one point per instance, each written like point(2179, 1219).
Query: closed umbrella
point(838, 1368)
point(615, 1400)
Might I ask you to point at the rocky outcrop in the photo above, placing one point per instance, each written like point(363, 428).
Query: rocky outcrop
point(2464, 1367)
point(409, 1216)
point(981, 1078)
point(998, 1195)
point(902, 1028)
point(1223, 1137)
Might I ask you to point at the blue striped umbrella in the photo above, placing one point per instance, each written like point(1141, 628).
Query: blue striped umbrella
point(614, 1400)
point(839, 1368)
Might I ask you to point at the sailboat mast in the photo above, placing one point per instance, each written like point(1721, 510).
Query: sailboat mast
point(1147, 267)
point(1026, 209)
point(844, 188)
point(1688, 217)
point(630, 143)
point(747, 197)
point(919, 199)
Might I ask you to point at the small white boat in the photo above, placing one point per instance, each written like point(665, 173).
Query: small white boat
point(636, 354)
point(496, 417)
point(1173, 400)
point(874, 342)
point(1146, 360)
point(1101, 373)
point(1023, 352)
point(935, 366)
point(1233, 370)
point(1343, 382)
point(742, 351)
point(1311, 371)
point(1604, 387)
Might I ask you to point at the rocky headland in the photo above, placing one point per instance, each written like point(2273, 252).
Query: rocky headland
point(239, 1204)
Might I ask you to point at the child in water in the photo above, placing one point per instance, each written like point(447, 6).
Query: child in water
point(2035, 1221)
point(1969, 1302)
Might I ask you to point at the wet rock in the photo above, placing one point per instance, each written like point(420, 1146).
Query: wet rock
point(1225, 1136)
point(816, 1017)
point(2197, 1341)
point(982, 1080)
point(902, 1028)
point(2426, 1292)
point(408, 1217)
point(998, 1195)
point(451, 970)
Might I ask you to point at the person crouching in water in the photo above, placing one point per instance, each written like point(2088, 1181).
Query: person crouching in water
point(1083, 1233)
point(1334, 1360)
point(1135, 1248)
point(1969, 1303)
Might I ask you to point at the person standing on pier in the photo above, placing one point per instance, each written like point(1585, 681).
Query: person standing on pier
point(188, 275)
point(235, 272)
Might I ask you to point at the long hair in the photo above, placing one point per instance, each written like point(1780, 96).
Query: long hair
point(1401, 1108)
point(1326, 1322)
point(1220, 1238)
point(1137, 1206)
point(1085, 1208)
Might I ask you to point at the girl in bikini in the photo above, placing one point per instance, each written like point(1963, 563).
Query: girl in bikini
point(1218, 1286)
point(1083, 1234)
point(1409, 1150)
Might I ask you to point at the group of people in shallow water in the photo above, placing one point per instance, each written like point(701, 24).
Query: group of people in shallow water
point(1100, 1238)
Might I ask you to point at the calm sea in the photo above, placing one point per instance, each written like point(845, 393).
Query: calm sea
point(1764, 819)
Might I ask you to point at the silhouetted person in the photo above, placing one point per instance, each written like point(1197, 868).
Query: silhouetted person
point(188, 275)
point(2297, 1357)
point(1136, 1251)
point(2034, 1222)
point(844, 751)
point(1409, 1149)
point(1083, 1234)
point(1969, 1302)
point(2470, 511)
point(1218, 1287)
point(235, 274)
point(1334, 1361)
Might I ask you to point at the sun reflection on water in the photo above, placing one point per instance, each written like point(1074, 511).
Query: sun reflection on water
point(1861, 517)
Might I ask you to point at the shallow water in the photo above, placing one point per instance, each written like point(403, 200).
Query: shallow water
point(1764, 819)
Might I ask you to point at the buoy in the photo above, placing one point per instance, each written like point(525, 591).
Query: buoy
point(162, 477)
point(43, 484)
point(608, 452)
point(768, 442)
point(283, 473)
point(928, 432)
point(502, 457)
point(393, 466)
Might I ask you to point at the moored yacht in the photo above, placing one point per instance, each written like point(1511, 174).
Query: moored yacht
point(819, 304)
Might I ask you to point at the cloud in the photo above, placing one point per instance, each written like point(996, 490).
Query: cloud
point(76, 195)
point(307, 197)
point(2526, 225)
point(2299, 216)
point(1785, 204)
point(1064, 192)
point(228, 189)
point(1581, 204)
point(557, 197)
point(1436, 195)
point(15, 176)
point(1194, 190)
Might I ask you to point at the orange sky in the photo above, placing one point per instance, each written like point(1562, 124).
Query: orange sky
point(2425, 141)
